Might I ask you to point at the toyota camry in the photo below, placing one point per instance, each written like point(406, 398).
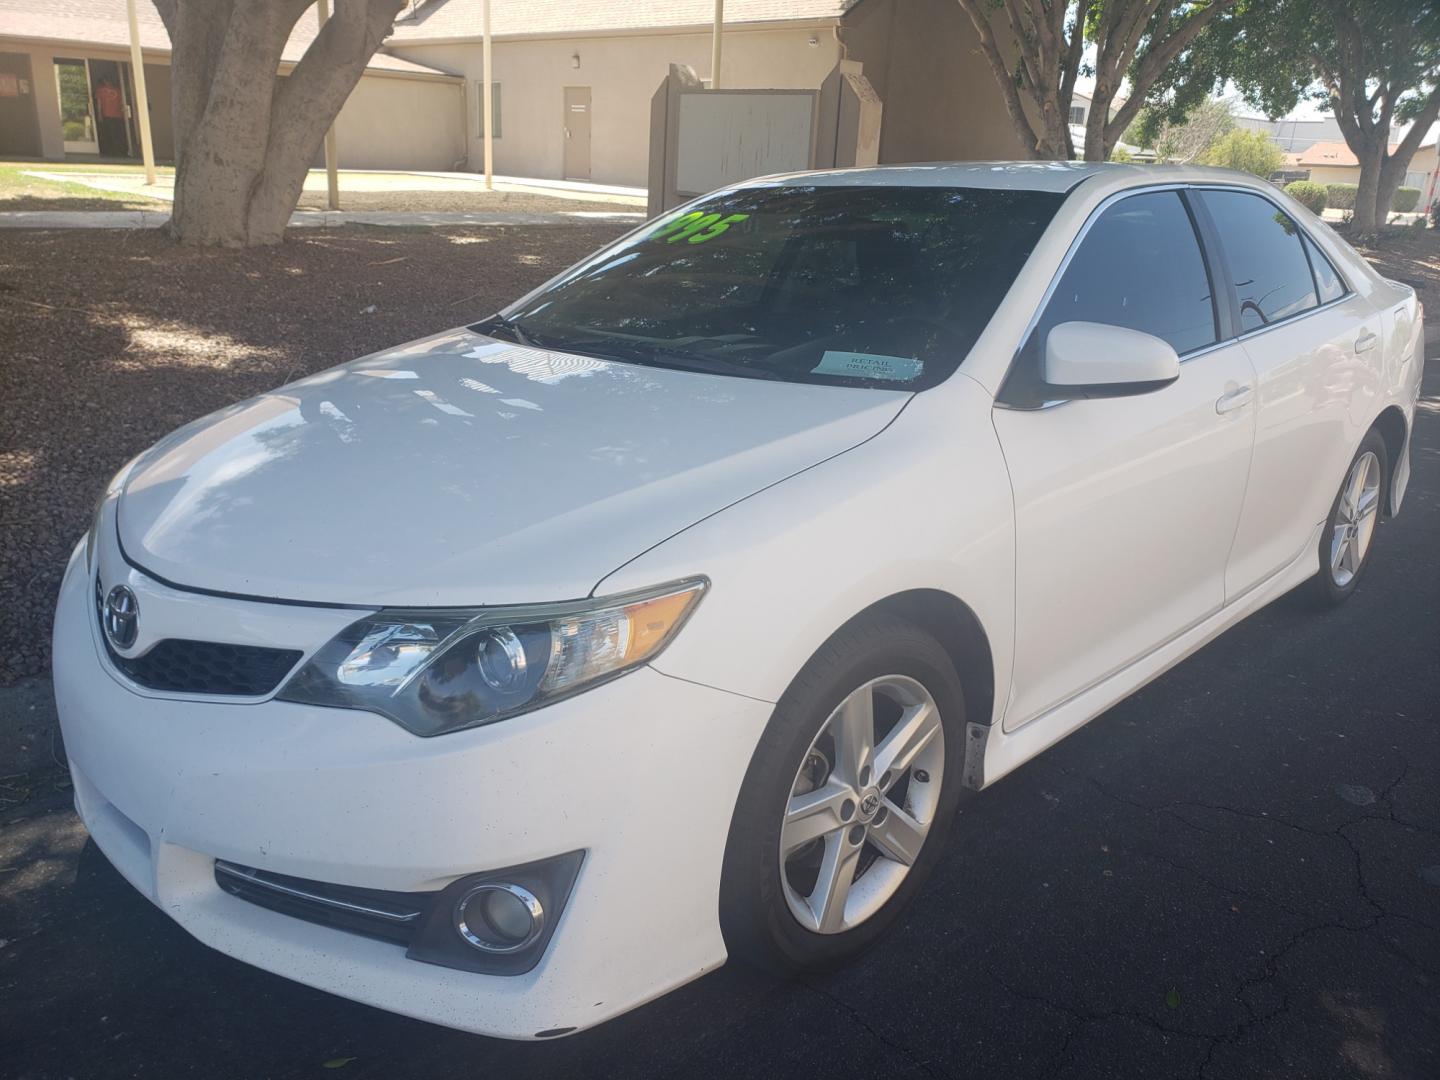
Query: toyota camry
point(514, 676)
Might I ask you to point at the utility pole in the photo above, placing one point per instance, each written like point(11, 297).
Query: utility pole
point(142, 100)
point(332, 168)
point(487, 111)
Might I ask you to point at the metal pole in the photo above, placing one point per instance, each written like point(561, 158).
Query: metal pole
point(487, 109)
point(715, 45)
point(142, 100)
point(332, 167)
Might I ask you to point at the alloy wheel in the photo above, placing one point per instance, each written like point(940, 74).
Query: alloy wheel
point(862, 804)
point(1355, 519)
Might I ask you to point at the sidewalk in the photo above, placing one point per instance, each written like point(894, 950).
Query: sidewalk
point(354, 181)
point(326, 219)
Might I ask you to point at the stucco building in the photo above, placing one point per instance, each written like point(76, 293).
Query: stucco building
point(64, 64)
point(573, 79)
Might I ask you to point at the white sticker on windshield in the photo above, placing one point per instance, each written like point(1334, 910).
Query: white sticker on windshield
point(860, 365)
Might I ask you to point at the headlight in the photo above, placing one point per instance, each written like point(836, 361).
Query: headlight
point(448, 669)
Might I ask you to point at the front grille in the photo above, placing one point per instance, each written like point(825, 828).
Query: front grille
point(181, 666)
point(208, 667)
point(376, 913)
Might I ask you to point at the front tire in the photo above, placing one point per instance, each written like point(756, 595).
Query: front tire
point(847, 801)
point(1348, 538)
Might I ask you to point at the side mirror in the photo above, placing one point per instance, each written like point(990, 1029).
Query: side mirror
point(1092, 360)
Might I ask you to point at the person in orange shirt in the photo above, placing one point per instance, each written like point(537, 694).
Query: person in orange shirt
point(110, 112)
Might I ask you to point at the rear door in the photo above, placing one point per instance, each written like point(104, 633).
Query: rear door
point(1315, 346)
point(577, 133)
point(1125, 507)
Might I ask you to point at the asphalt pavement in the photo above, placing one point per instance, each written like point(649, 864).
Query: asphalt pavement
point(1234, 873)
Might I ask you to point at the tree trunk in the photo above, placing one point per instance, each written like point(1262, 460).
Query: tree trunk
point(245, 136)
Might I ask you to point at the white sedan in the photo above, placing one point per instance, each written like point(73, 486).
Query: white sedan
point(515, 676)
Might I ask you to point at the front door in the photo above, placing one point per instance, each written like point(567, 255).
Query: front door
point(1125, 507)
point(77, 114)
point(577, 133)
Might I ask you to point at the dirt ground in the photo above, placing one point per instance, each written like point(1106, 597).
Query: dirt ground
point(1411, 256)
point(108, 340)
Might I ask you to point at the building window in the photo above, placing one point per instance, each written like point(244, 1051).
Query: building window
point(1077, 114)
point(1416, 180)
point(494, 108)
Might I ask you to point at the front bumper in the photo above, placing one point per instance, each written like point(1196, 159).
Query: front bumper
point(641, 773)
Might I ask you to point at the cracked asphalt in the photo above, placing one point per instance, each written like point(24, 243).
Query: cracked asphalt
point(1234, 873)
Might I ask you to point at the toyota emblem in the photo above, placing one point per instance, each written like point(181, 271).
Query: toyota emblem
point(121, 617)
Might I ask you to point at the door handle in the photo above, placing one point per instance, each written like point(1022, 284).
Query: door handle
point(1234, 399)
point(1366, 341)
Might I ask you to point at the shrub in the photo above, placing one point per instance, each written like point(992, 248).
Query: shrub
point(1309, 194)
point(74, 130)
point(1435, 215)
point(1405, 200)
point(1341, 196)
point(1248, 151)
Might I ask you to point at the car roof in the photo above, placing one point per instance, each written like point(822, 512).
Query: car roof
point(1056, 176)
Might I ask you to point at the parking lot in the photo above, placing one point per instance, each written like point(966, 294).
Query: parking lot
point(1235, 873)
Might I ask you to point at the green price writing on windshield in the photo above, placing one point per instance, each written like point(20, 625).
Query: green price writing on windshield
point(696, 227)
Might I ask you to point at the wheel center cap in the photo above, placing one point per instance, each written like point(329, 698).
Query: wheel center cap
point(869, 804)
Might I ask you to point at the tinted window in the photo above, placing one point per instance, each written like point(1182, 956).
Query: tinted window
point(1328, 281)
point(1267, 262)
point(1140, 267)
point(854, 286)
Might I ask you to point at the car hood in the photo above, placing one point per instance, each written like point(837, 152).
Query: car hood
point(462, 470)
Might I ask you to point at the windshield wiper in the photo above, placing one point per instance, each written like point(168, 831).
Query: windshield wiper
point(627, 352)
point(511, 326)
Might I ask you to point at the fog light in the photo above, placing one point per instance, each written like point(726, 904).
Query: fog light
point(499, 918)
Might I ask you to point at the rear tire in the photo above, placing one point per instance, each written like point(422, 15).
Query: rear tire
point(1348, 539)
point(885, 827)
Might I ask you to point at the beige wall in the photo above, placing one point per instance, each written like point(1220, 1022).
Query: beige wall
point(941, 100)
point(399, 123)
point(622, 73)
point(387, 123)
point(47, 100)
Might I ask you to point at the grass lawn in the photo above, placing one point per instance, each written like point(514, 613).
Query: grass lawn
point(21, 192)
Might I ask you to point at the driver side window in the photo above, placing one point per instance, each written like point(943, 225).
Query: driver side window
point(1139, 266)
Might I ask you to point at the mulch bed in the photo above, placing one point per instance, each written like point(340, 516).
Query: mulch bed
point(109, 340)
point(1411, 256)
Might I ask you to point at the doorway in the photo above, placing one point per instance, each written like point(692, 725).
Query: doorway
point(577, 133)
point(77, 114)
point(95, 112)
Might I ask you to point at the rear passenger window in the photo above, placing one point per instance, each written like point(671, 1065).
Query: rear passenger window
point(1326, 279)
point(1139, 267)
point(1267, 261)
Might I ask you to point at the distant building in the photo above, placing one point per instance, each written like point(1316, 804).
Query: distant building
point(67, 91)
point(1292, 136)
point(1335, 163)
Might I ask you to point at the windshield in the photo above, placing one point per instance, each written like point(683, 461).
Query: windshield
point(851, 286)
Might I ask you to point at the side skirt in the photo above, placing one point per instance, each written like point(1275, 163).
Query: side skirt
point(997, 752)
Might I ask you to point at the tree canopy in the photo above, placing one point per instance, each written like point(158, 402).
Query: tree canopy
point(1037, 50)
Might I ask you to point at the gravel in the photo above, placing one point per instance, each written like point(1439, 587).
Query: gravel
point(109, 340)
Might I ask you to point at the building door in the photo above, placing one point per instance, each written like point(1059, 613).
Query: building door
point(77, 114)
point(19, 126)
point(577, 133)
point(111, 99)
